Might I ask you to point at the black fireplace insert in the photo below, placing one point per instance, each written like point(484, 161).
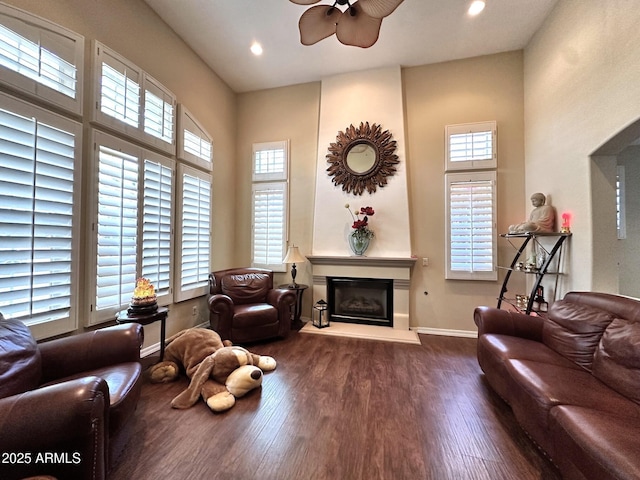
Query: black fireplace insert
point(360, 300)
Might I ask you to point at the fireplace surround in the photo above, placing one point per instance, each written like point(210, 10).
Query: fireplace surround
point(367, 301)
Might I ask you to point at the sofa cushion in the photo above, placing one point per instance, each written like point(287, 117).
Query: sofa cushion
point(541, 386)
point(495, 351)
point(595, 444)
point(617, 359)
point(574, 330)
point(246, 288)
point(20, 364)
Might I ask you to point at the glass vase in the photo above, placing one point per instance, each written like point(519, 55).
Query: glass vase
point(358, 244)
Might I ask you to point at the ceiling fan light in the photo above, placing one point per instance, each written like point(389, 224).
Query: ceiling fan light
point(379, 8)
point(318, 23)
point(358, 29)
point(476, 7)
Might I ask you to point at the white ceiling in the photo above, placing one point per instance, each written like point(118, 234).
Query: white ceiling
point(419, 32)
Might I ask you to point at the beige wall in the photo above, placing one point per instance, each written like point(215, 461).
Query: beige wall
point(485, 88)
point(472, 90)
point(133, 30)
point(581, 88)
point(289, 113)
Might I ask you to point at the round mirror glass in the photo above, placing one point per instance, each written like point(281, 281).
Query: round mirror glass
point(361, 157)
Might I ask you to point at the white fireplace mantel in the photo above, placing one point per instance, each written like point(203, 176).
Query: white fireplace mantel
point(355, 261)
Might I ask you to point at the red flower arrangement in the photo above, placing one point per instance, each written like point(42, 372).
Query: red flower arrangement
point(361, 225)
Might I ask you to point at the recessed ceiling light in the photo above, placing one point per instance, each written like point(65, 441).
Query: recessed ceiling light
point(256, 48)
point(476, 7)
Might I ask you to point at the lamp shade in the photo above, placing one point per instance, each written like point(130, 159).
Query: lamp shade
point(293, 256)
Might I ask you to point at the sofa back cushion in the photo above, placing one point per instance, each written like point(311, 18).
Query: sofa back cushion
point(617, 358)
point(574, 330)
point(247, 287)
point(20, 364)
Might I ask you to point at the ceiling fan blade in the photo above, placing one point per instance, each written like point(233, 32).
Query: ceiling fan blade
point(304, 2)
point(379, 8)
point(317, 23)
point(359, 29)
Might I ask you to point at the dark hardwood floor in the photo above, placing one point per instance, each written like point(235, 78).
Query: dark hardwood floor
point(341, 409)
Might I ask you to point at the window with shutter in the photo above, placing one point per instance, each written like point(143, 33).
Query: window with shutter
point(194, 143)
point(133, 226)
point(118, 91)
point(270, 204)
point(471, 146)
point(159, 114)
point(39, 171)
point(116, 228)
point(471, 226)
point(41, 59)
point(132, 102)
point(193, 266)
point(157, 225)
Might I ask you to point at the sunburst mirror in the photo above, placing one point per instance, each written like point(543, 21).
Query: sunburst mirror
point(362, 158)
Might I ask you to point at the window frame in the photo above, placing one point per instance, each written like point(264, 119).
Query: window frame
point(145, 83)
point(32, 25)
point(45, 329)
point(268, 180)
point(202, 287)
point(187, 119)
point(471, 177)
point(483, 162)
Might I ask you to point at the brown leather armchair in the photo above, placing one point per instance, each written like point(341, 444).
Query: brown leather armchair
point(244, 307)
point(66, 404)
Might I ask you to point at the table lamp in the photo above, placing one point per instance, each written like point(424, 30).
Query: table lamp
point(293, 256)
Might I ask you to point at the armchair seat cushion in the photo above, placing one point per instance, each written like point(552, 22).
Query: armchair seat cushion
point(254, 315)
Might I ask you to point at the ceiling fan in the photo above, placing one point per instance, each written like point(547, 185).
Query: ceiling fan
point(358, 25)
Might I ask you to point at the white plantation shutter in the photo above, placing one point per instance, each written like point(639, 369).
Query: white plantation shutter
point(471, 229)
point(270, 204)
point(270, 161)
point(38, 217)
point(471, 146)
point(159, 114)
point(38, 54)
point(157, 230)
point(194, 143)
point(116, 228)
point(119, 89)
point(269, 207)
point(195, 235)
point(132, 102)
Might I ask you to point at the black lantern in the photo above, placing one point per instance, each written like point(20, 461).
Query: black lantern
point(319, 320)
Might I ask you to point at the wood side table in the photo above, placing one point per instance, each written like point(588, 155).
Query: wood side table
point(296, 324)
point(145, 319)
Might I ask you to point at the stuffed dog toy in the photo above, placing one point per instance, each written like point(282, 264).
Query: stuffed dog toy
point(219, 371)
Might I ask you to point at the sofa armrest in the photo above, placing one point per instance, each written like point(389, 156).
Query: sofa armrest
point(91, 350)
point(221, 307)
point(494, 320)
point(68, 419)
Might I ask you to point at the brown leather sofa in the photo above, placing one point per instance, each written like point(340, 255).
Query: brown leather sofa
point(66, 405)
point(244, 307)
point(572, 380)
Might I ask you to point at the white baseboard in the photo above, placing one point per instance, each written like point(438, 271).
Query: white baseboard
point(446, 332)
